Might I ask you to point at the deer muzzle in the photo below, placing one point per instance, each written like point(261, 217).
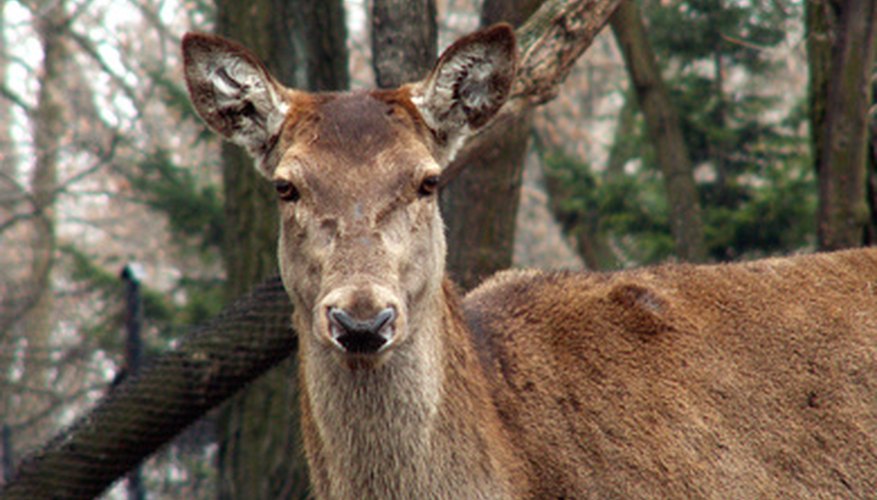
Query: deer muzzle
point(360, 320)
point(361, 336)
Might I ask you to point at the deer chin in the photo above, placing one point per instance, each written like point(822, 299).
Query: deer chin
point(363, 360)
point(360, 362)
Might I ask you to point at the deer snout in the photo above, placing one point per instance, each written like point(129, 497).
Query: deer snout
point(361, 335)
point(360, 319)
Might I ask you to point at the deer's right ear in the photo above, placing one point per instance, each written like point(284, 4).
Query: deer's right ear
point(233, 92)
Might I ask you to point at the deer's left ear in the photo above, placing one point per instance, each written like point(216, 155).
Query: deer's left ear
point(468, 85)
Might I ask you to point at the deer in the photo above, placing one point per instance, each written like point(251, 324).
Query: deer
point(746, 380)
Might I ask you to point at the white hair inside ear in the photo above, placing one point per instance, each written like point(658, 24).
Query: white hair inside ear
point(233, 92)
point(468, 85)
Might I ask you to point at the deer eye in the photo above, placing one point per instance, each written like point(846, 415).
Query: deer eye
point(428, 186)
point(286, 190)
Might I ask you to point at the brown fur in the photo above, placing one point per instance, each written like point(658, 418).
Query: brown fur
point(467, 454)
point(752, 380)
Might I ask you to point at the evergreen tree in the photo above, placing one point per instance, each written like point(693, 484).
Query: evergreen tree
point(756, 190)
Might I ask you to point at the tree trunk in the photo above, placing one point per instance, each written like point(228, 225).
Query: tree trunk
point(842, 137)
point(404, 40)
point(37, 320)
point(9, 198)
point(871, 233)
point(303, 43)
point(514, 12)
point(480, 205)
point(821, 23)
point(664, 131)
point(8, 160)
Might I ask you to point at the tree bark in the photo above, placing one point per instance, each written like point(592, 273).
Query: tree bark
point(821, 23)
point(842, 136)
point(404, 40)
point(664, 131)
point(303, 43)
point(871, 231)
point(480, 205)
point(253, 335)
point(514, 12)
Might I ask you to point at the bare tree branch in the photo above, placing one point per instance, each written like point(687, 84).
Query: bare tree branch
point(15, 220)
point(105, 156)
point(552, 40)
point(151, 16)
point(16, 99)
point(88, 47)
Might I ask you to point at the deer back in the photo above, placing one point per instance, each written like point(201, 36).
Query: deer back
point(681, 381)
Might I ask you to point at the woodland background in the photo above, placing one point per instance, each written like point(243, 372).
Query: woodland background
point(699, 130)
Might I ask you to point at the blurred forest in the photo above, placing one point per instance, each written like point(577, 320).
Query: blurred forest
point(698, 130)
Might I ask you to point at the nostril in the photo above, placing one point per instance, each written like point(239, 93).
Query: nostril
point(351, 325)
point(383, 318)
point(361, 336)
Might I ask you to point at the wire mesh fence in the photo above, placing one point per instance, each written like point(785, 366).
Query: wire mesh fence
point(145, 411)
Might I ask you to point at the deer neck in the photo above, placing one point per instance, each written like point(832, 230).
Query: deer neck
point(411, 427)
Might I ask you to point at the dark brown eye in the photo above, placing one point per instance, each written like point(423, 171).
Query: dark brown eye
point(429, 186)
point(286, 190)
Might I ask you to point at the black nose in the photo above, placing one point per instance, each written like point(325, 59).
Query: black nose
point(361, 336)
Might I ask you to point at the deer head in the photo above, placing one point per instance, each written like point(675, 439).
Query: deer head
point(361, 245)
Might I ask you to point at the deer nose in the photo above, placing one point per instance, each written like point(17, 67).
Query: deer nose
point(361, 336)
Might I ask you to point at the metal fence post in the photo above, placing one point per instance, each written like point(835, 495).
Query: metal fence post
point(132, 274)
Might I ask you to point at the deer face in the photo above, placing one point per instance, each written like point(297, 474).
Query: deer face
point(361, 243)
point(361, 236)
